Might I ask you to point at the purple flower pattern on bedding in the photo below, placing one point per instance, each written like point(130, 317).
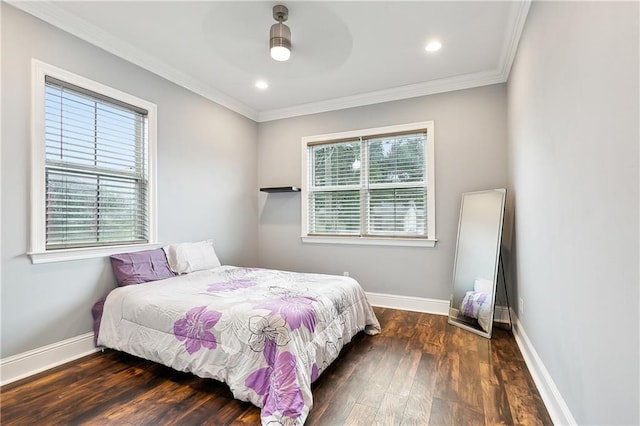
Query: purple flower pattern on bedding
point(285, 396)
point(193, 329)
point(231, 285)
point(277, 383)
point(267, 329)
point(296, 311)
point(268, 343)
point(314, 372)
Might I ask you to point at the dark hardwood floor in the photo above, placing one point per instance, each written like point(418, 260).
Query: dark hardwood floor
point(418, 371)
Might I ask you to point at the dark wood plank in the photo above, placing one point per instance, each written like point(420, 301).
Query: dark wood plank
point(418, 371)
point(496, 405)
point(361, 415)
point(526, 406)
point(405, 373)
point(391, 409)
point(445, 412)
point(419, 402)
point(497, 410)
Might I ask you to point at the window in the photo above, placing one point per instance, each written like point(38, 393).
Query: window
point(92, 166)
point(372, 186)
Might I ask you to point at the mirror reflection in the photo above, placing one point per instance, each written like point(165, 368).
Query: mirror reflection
point(475, 270)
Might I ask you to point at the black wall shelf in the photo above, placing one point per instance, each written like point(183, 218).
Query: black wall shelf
point(281, 189)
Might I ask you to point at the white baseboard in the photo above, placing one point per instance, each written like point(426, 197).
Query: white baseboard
point(553, 400)
point(28, 363)
point(422, 304)
point(409, 303)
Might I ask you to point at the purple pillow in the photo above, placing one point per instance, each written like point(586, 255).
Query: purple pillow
point(140, 267)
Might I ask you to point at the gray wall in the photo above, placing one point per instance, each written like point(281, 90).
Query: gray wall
point(470, 154)
point(573, 176)
point(206, 182)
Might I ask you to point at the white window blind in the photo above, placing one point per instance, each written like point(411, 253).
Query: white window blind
point(95, 169)
point(334, 194)
point(370, 185)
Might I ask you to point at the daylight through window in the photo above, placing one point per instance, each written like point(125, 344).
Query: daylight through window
point(370, 184)
point(96, 175)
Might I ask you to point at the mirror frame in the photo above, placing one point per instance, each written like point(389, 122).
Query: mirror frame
point(498, 247)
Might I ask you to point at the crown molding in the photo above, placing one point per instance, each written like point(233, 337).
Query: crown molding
point(397, 93)
point(49, 12)
point(510, 47)
point(54, 15)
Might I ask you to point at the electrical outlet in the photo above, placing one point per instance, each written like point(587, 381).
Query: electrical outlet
point(345, 273)
point(520, 305)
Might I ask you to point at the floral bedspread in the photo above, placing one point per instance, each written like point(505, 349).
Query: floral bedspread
point(268, 334)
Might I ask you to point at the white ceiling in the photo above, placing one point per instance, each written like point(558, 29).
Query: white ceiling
point(344, 54)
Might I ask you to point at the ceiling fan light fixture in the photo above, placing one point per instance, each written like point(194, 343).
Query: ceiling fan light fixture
point(280, 35)
point(433, 46)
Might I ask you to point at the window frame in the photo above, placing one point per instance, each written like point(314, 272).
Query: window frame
point(429, 241)
point(38, 251)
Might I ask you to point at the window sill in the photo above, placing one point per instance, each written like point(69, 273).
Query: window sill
point(86, 253)
point(370, 241)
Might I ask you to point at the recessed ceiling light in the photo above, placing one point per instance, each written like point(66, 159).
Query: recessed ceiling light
point(262, 85)
point(433, 46)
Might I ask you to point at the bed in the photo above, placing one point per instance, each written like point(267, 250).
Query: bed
point(268, 334)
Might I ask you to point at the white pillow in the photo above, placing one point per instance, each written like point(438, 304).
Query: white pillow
point(190, 257)
point(483, 285)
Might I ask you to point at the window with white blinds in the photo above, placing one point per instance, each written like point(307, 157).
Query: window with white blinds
point(96, 175)
point(95, 159)
point(370, 184)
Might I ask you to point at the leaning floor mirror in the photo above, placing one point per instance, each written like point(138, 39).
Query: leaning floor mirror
point(475, 268)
